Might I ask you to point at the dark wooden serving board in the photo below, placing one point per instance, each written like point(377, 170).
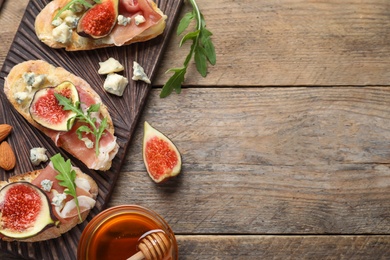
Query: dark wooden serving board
point(124, 111)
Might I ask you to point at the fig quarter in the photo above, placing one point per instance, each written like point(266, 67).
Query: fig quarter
point(47, 111)
point(99, 20)
point(161, 157)
point(25, 211)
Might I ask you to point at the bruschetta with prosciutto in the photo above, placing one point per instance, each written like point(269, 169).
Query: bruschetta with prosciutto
point(37, 206)
point(65, 108)
point(91, 24)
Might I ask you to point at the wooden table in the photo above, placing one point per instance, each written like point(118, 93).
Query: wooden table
point(285, 144)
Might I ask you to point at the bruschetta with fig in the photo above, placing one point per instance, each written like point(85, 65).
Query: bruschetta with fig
point(91, 24)
point(46, 203)
point(65, 108)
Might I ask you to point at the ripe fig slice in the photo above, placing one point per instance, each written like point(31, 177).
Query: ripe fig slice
point(47, 111)
point(98, 21)
point(25, 210)
point(161, 157)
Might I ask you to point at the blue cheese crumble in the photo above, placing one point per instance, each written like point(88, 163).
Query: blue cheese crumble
point(109, 66)
point(64, 25)
point(38, 155)
point(20, 97)
point(138, 19)
point(46, 185)
point(115, 84)
point(31, 81)
point(139, 73)
point(88, 142)
point(123, 20)
point(29, 78)
point(62, 33)
point(58, 200)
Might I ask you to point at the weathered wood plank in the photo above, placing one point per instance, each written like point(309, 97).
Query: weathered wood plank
point(296, 42)
point(284, 247)
point(269, 161)
point(278, 247)
point(10, 17)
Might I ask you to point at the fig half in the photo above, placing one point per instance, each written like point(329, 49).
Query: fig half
point(161, 157)
point(98, 21)
point(25, 210)
point(47, 111)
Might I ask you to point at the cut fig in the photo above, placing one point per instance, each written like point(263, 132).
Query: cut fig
point(47, 111)
point(98, 21)
point(161, 157)
point(25, 210)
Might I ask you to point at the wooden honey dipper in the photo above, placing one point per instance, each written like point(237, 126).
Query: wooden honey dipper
point(154, 246)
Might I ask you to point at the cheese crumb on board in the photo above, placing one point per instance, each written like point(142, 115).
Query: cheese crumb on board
point(115, 84)
point(139, 73)
point(109, 66)
point(38, 155)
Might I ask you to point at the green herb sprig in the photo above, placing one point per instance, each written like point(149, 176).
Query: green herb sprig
point(66, 176)
point(202, 48)
point(84, 117)
point(70, 6)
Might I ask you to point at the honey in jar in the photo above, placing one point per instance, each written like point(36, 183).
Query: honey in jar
point(116, 232)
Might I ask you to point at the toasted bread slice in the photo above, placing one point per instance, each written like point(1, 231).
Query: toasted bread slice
point(119, 36)
point(47, 75)
point(53, 231)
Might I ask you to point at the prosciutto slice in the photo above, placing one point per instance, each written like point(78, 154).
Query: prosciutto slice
point(69, 210)
point(108, 146)
point(131, 8)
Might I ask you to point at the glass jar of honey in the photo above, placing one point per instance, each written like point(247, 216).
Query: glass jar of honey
point(116, 232)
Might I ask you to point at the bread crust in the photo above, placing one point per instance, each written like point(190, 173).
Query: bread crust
point(44, 30)
point(53, 231)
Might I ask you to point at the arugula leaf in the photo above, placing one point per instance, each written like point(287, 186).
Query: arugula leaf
point(66, 176)
point(202, 49)
point(70, 5)
point(86, 118)
point(103, 125)
point(175, 80)
point(201, 62)
point(185, 22)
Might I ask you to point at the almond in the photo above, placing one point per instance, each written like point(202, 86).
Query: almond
point(4, 131)
point(7, 156)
